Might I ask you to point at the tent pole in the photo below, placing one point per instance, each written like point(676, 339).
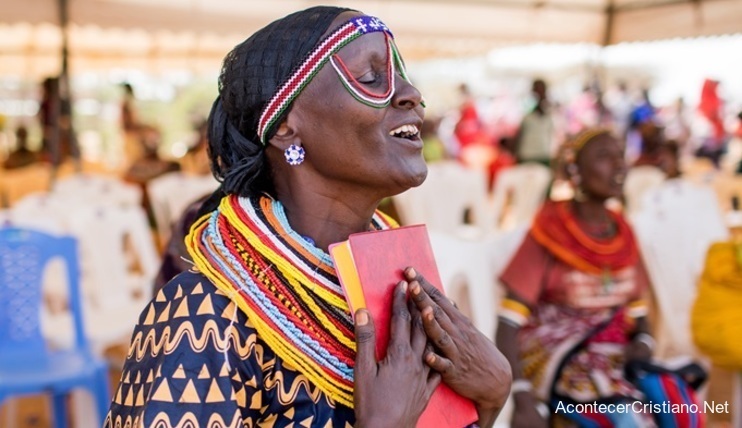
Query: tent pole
point(610, 16)
point(67, 135)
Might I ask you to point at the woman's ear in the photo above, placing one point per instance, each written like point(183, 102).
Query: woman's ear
point(285, 136)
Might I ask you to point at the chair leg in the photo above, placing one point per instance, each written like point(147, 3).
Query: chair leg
point(59, 402)
point(11, 411)
point(83, 405)
point(737, 399)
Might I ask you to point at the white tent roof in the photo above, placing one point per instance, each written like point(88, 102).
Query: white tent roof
point(197, 33)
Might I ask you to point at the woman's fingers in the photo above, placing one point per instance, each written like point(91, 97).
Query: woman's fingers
point(365, 345)
point(435, 294)
point(437, 335)
point(401, 319)
point(423, 301)
point(434, 379)
point(418, 337)
point(440, 364)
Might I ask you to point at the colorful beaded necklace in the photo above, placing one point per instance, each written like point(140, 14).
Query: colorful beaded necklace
point(285, 285)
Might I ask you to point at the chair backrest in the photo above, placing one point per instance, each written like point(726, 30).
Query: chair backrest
point(677, 224)
point(24, 253)
point(465, 270)
point(107, 268)
point(639, 180)
point(170, 195)
point(97, 189)
point(519, 192)
point(443, 199)
point(726, 188)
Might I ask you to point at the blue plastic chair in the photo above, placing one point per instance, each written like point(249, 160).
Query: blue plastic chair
point(26, 365)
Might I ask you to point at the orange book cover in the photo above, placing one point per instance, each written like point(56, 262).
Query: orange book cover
point(369, 265)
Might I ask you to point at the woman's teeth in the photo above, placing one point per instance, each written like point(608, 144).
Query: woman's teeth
point(404, 131)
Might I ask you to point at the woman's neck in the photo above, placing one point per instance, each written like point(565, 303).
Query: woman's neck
point(591, 211)
point(324, 218)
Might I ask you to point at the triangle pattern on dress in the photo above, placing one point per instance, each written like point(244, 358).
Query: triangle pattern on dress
point(165, 315)
point(182, 310)
point(117, 400)
point(215, 394)
point(129, 398)
point(229, 311)
point(252, 382)
point(205, 308)
point(150, 318)
point(204, 373)
point(140, 397)
point(307, 423)
point(225, 370)
point(240, 397)
point(190, 395)
point(179, 373)
point(163, 393)
point(256, 401)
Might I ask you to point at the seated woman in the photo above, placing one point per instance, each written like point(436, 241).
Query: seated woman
point(574, 314)
point(315, 123)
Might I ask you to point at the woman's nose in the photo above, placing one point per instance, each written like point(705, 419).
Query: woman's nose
point(405, 94)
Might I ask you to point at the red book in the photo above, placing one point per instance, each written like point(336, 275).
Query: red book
point(369, 266)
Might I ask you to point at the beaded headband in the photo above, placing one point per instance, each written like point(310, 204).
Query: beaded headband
point(357, 89)
point(313, 62)
point(579, 141)
point(583, 137)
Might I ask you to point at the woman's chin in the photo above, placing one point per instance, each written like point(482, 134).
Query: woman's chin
point(418, 176)
point(410, 180)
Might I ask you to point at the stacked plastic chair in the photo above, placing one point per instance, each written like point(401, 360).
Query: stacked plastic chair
point(27, 365)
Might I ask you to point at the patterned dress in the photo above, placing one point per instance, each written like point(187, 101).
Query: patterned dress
point(195, 360)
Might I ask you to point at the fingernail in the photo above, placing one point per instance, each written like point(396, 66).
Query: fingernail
point(428, 313)
point(430, 358)
point(411, 273)
point(361, 317)
point(415, 289)
point(403, 285)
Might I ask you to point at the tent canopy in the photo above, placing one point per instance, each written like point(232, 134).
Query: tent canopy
point(160, 32)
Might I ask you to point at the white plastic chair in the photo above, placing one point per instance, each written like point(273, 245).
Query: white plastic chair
point(468, 270)
point(97, 189)
point(467, 277)
point(441, 202)
point(170, 194)
point(726, 188)
point(639, 180)
point(113, 296)
point(677, 224)
point(518, 194)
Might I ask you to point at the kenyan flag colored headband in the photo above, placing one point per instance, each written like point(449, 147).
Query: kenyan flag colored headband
point(317, 58)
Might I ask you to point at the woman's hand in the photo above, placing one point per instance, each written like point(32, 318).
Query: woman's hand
point(525, 414)
point(469, 362)
point(392, 392)
point(638, 350)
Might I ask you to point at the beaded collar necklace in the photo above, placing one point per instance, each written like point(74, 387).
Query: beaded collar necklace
point(285, 285)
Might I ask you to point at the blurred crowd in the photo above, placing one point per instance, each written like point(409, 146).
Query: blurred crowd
point(480, 134)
